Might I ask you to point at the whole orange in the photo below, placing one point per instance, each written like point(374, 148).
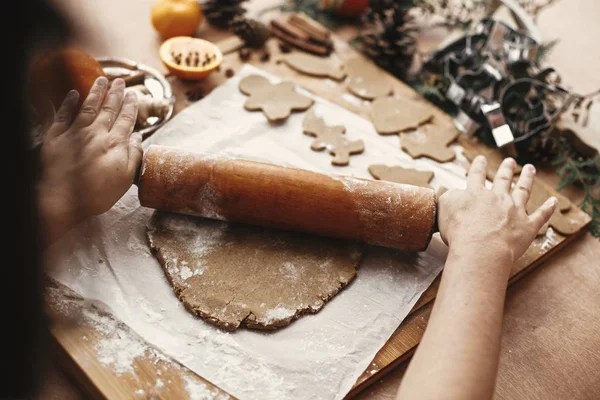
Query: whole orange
point(57, 71)
point(176, 17)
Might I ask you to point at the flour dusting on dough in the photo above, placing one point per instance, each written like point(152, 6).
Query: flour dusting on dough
point(235, 275)
point(185, 273)
point(204, 241)
point(278, 314)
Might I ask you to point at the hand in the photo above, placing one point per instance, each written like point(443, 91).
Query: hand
point(89, 159)
point(481, 220)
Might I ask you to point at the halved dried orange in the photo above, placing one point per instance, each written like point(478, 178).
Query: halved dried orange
point(190, 58)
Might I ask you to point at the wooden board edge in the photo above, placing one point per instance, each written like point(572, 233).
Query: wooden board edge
point(98, 380)
point(74, 371)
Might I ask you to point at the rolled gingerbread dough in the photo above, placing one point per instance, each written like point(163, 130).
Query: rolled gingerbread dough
point(239, 275)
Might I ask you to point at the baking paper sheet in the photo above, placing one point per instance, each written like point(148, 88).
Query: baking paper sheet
point(318, 356)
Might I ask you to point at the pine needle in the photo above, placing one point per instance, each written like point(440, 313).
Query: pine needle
point(544, 51)
point(585, 173)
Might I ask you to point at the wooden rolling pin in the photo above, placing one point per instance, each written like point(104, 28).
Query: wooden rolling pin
point(213, 186)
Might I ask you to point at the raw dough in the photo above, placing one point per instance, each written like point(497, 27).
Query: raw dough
point(559, 221)
point(402, 175)
point(276, 101)
point(315, 66)
point(430, 141)
point(331, 138)
point(393, 115)
point(366, 80)
point(239, 275)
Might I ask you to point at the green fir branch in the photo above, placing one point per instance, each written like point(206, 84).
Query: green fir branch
point(585, 173)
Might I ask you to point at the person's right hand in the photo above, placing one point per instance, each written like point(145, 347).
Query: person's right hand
point(493, 221)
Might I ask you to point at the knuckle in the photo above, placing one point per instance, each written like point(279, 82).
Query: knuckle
point(88, 110)
point(62, 118)
point(524, 189)
point(127, 117)
point(108, 109)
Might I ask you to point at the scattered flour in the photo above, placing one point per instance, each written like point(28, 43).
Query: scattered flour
point(289, 270)
point(352, 99)
point(279, 313)
point(351, 184)
point(206, 236)
point(135, 245)
point(119, 347)
point(330, 83)
point(549, 239)
point(199, 391)
point(326, 263)
point(185, 273)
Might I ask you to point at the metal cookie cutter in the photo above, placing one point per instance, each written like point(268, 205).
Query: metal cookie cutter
point(501, 132)
point(154, 81)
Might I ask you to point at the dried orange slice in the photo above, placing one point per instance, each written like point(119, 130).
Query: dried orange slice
point(190, 58)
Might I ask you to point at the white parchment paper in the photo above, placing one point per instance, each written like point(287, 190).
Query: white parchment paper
point(318, 356)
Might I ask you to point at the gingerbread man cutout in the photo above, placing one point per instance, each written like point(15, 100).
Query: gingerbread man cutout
point(331, 138)
point(276, 101)
point(407, 176)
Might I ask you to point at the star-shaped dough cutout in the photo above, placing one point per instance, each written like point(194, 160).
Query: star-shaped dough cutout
point(276, 101)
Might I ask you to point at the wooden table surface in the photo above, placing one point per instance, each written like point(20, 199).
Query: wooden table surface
point(551, 341)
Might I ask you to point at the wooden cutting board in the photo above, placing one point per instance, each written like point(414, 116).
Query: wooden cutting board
point(79, 343)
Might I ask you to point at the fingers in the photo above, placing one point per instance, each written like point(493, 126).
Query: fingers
point(543, 214)
point(112, 104)
point(477, 173)
point(91, 105)
point(504, 176)
point(135, 155)
point(522, 190)
point(65, 114)
point(125, 122)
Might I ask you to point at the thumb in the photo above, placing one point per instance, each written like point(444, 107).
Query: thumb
point(135, 155)
point(543, 214)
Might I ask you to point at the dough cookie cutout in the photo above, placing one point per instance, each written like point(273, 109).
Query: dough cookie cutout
point(276, 101)
point(331, 138)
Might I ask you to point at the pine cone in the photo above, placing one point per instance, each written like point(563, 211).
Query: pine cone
point(253, 33)
point(220, 13)
point(390, 41)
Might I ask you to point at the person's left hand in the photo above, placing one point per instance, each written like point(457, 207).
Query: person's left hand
point(89, 159)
